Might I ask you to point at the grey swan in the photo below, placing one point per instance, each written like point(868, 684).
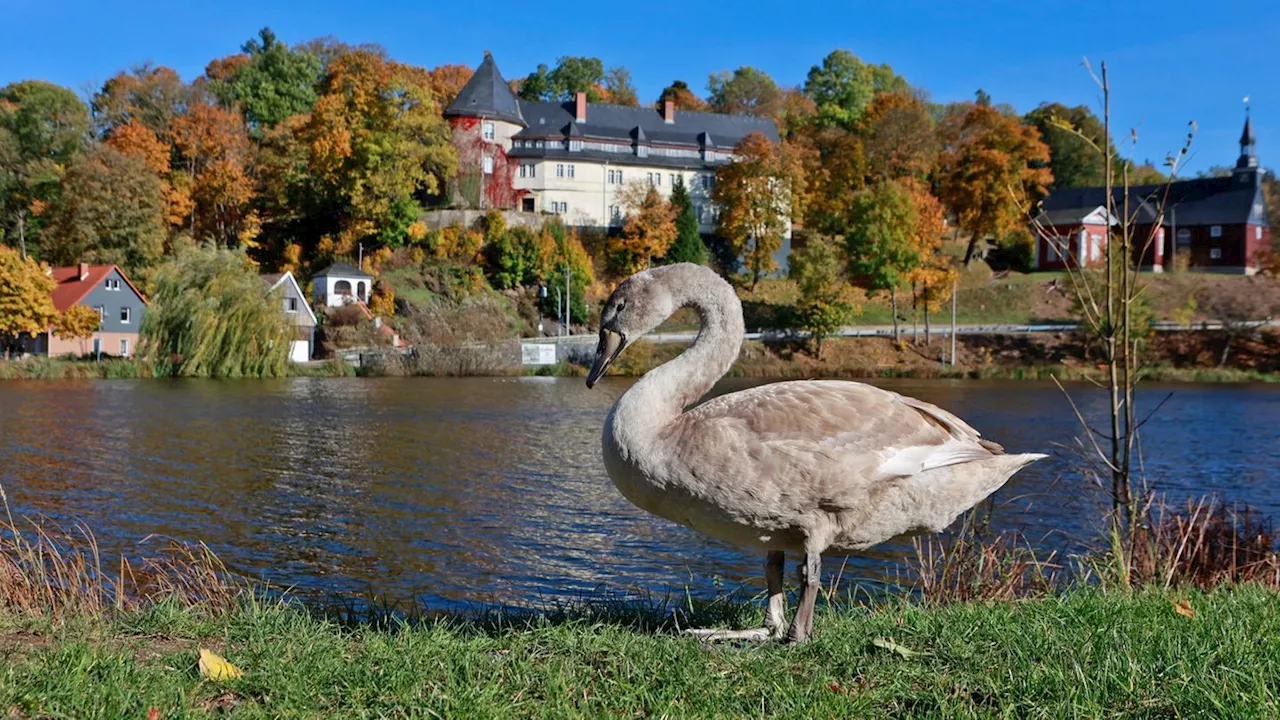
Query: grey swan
point(812, 467)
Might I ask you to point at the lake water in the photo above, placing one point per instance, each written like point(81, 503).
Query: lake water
point(460, 491)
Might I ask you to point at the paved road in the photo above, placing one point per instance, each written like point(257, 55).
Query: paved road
point(887, 330)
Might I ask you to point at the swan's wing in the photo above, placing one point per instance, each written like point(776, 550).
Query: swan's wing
point(825, 437)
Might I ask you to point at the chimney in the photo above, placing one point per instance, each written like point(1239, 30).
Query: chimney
point(581, 107)
point(668, 112)
point(84, 270)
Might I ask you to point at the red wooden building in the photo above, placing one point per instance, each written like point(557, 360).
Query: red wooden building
point(1214, 224)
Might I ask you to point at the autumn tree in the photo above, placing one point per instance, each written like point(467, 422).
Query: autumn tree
point(446, 81)
point(26, 306)
point(211, 316)
point(882, 244)
point(43, 127)
point(835, 171)
point(619, 89)
point(844, 85)
point(745, 91)
point(898, 137)
point(990, 167)
point(825, 303)
point(648, 231)
point(688, 245)
point(137, 140)
point(112, 211)
point(682, 96)
point(215, 152)
point(272, 83)
point(78, 322)
point(377, 146)
point(152, 95)
point(1072, 135)
point(755, 196)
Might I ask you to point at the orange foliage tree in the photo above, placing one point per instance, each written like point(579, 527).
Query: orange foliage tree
point(137, 140)
point(648, 232)
point(898, 137)
point(215, 151)
point(446, 81)
point(991, 166)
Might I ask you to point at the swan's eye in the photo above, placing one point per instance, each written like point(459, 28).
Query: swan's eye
point(622, 304)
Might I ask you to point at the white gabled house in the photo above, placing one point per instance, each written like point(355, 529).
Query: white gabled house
point(293, 303)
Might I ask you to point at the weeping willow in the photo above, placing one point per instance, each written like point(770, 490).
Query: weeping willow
point(210, 316)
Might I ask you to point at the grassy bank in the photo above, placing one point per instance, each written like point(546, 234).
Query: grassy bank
point(1085, 654)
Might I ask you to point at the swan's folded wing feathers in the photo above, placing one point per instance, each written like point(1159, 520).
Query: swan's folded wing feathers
point(834, 438)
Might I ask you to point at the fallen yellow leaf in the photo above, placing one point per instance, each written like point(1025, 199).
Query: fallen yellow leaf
point(1184, 608)
point(214, 667)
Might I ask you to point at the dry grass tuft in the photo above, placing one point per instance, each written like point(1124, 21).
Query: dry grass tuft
point(46, 570)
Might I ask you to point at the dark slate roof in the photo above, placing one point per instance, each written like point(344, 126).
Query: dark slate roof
point(613, 158)
point(617, 121)
point(1233, 200)
point(344, 269)
point(488, 95)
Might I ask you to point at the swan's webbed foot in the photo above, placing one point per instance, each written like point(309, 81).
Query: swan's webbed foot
point(775, 618)
point(720, 634)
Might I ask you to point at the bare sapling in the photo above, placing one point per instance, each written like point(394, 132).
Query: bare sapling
point(1110, 303)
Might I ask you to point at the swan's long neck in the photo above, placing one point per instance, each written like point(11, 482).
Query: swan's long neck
point(664, 392)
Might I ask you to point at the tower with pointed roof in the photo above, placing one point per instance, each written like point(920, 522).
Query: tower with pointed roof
point(1248, 144)
point(484, 116)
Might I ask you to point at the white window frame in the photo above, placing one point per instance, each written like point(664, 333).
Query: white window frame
point(489, 132)
point(673, 179)
point(126, 315)
point(559, 170)
point(124, 347)
point(1257, 232)
point(1215, 231)
point(487, 164)
point(570, 171)
point(102, 313)
point(1215, 253)
point(291, 305)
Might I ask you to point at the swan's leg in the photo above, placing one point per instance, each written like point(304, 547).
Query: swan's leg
point(810, 581)
point(774, 619)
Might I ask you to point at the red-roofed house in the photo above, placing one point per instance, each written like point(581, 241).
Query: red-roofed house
point(106, 289)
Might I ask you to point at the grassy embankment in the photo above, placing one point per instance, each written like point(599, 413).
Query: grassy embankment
point(992, 631)
point(1085, 654)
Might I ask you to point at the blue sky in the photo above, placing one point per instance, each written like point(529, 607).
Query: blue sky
point(1170, 62)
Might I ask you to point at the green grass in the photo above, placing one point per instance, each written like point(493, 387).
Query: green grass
point(1084, 654)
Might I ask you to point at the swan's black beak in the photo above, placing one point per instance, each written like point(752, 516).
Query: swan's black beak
point(611, 344)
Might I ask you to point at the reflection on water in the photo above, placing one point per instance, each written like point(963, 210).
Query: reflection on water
point(492, 490)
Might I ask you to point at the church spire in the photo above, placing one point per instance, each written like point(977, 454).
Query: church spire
point(1248, 142)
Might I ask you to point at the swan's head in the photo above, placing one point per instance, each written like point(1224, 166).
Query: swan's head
point(636, 307)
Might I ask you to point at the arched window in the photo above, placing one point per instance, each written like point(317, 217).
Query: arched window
point(343, 288)
point(360, 291)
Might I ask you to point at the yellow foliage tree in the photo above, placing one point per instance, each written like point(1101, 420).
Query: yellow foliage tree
point(755, 194)
point(26, 306)
point(79, 322)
